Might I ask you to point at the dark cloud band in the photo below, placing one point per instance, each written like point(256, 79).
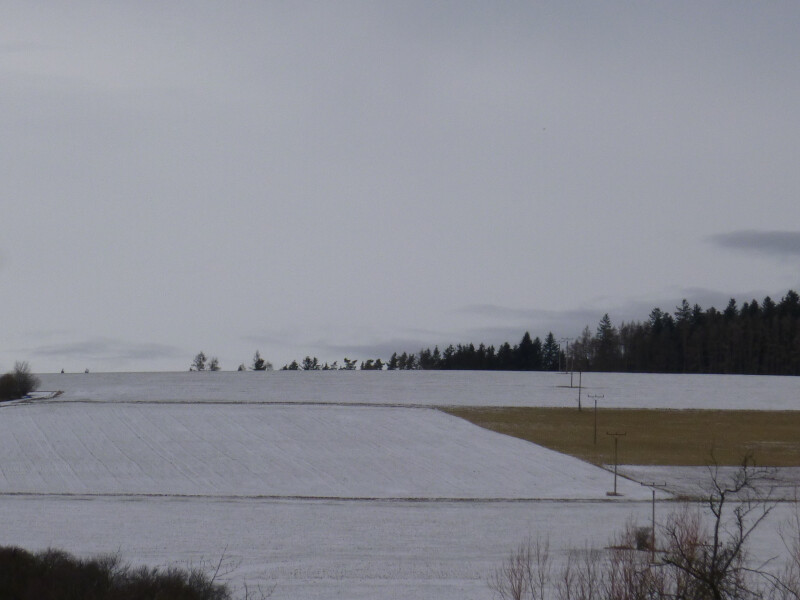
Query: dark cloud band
point(775, 243)
point(109, 349)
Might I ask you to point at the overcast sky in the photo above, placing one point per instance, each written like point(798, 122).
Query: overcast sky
point(353, 178)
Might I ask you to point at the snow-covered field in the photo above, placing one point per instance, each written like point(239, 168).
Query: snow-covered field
point(318, 549)
point(435, 388)
point(279, 451)
point(326, 484)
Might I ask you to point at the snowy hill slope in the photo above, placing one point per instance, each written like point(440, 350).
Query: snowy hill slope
point(279, 451)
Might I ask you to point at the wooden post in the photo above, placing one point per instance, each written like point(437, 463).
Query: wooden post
point(654, 485)
point(616, 435)
point(595, 397)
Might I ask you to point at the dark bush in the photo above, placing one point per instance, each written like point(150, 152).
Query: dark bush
point(18, 383)
point(57, 575)
point(8, 387)
point(644, 538)
point(27, 382)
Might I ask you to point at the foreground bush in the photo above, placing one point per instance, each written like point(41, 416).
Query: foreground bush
point(18, 383)
point(56, 575)
point(701, 556)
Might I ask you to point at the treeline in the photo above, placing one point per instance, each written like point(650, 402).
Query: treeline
point(528, 355)
point(755, 338)
point(312, 363)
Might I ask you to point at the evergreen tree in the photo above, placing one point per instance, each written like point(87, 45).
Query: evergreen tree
point(448, 357)
point(581, 352)
point(606, 346)
point(259, 364)
point(425, 360)
point(505, 357)
point(527, 355)
point(550, 353)
point(199, 362)
point(310, 364)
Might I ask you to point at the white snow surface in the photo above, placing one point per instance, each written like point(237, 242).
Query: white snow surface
point(279, 451)
point(435, 388)
point(338, 484)
point(779, 484)
point(315, 550)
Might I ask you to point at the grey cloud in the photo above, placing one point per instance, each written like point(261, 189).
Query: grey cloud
point(268, 340)
point(704, 297)
point(379, 349)
point(538, 322)
point(501, 312)
point(773, 243)
point(515, 321)
point(301, 344)
point(504, 312)
point(571, 322)
point(16, 47)
point(106, 349)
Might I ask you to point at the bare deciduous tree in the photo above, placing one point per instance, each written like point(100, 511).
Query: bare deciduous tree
point(525, 574)
point(703, 556)
point(712, 563)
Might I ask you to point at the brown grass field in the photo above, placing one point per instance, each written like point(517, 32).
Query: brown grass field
point(652, 437)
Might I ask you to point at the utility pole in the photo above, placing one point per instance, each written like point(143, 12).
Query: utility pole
point(595, 397)
point(653, 485)
point(563, 340)
point(580, 387)
point(616, 436)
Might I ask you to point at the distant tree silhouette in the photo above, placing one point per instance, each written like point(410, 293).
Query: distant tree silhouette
point(550, 353)
point(18, 383)
point(310, 364)
point(199, 362)
point(758, 338)
point(259, 364)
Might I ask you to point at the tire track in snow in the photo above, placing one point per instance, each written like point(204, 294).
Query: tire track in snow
point(244, 403)
point(348, 499)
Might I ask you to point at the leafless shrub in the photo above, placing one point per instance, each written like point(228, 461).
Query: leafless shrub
point(525, 574)
point(699, 559)
point(18, 383)
point(710, 563)
point(786, 585)
point(582, 578)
